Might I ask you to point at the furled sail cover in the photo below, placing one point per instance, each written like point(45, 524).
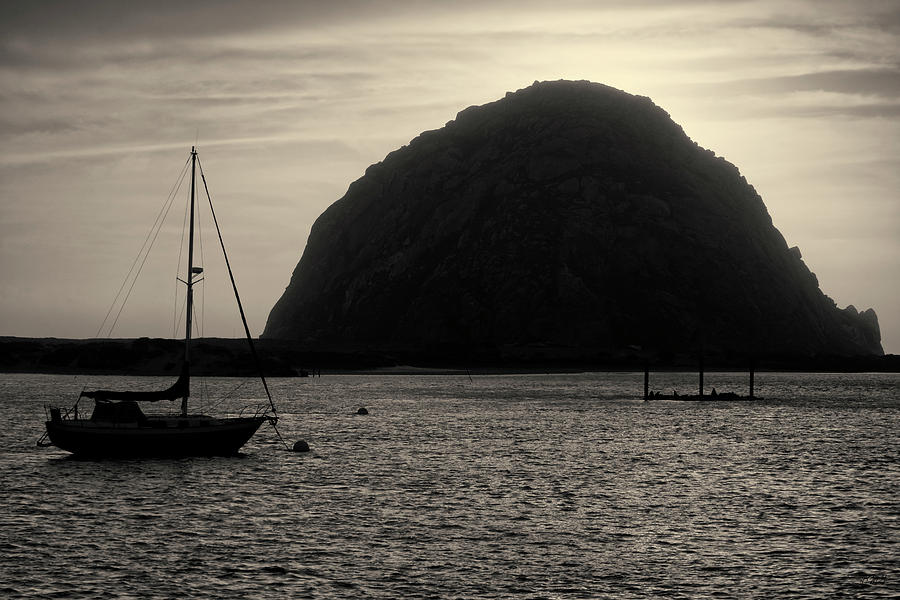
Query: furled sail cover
point(118, 412)
point(180, 389)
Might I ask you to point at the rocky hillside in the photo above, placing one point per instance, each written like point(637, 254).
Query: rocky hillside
point(566, 220)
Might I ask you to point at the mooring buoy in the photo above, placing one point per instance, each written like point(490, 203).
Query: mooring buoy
point(362, 411)
point(301, 446)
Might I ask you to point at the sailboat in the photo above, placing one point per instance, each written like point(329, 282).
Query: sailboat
point(118, 427)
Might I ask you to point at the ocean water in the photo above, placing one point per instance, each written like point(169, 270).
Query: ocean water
point(494, 486)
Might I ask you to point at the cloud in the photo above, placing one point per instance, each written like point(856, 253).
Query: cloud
point(863, 93)
point(292, 100)
point(881, 82)
point(113, 20)
point(859, 111)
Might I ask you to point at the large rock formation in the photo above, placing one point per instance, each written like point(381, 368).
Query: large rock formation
point(569, 219)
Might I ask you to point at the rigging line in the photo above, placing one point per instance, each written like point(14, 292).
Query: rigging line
point(202, 319)
point(272, 423)
point(237, 296)
point(143, 262)
point(179, 315)
point(145, 250)
point(195, 324)
point(204, 393)
point(175, 314)
point(169, 199)
point(228, 395)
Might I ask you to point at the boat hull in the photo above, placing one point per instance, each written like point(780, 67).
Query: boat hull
point(153, 438)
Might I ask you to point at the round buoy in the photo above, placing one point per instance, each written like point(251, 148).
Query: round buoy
point(362, 411)
point(301, 446)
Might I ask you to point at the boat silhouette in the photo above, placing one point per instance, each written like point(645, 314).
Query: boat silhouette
point(118, 427)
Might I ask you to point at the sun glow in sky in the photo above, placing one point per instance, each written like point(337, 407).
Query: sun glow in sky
point(289, 102)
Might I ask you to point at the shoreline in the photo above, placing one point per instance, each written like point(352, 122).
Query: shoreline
point(408, 370)
point(231, 357)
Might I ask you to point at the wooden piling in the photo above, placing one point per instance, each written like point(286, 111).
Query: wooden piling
point(646, 381)
point(701, 374)
point(751, 378)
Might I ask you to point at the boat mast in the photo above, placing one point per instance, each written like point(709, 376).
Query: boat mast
point(190, 287)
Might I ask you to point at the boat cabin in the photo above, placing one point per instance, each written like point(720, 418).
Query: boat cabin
point(118, 412)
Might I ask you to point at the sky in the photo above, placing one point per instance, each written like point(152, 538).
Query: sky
point(288, 102)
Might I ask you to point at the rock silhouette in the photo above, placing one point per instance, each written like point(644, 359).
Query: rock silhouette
point(564, 220)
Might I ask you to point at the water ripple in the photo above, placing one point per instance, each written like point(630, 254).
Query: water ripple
point(504, 487)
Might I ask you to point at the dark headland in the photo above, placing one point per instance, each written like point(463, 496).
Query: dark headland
point(569, 225)
point(569, 222)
